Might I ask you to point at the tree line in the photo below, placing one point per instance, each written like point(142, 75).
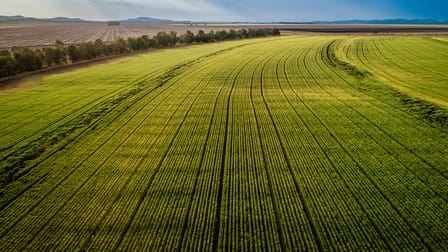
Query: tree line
point(21, 59)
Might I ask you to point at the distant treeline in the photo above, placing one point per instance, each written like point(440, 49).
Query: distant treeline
point(112, 23)
point(23, 59)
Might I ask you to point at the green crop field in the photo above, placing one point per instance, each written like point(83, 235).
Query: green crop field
point(315, 143)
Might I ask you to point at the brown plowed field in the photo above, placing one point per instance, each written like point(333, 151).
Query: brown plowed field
point(33, 34)
point(41, 34)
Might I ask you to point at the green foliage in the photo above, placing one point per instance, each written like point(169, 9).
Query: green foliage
point(113, 23)
point(74, 53)
point(50, 56)
point(7, 66)
point(5, 53)
point(350, 69)
point(24, 59)
point(187, 38)
point(430, 111)
point(18, 157)
point(268, 144)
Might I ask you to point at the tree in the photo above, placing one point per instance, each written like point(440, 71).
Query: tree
point(200, 37)
point(173, 38)
point(120, 46)
point(141, 44)
point(276, 32)
point(132, 44)
point(74, 53)
point(232, 34)
point(221, 35)
point(242, 34)
point(113, 23)
point(7, 66)
point(162, 39)
point(59, 44)
point(60, 55)
point(211, 36)
point(99, 47)
point(50, 56)
point(40, 58)
point(88, 51)
point(252, 33)
point(152, 43)
point(26, 59)
point(5, 53)
point(146, 42)
point(187, 38)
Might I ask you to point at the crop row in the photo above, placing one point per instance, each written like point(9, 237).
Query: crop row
point(388, 172)
point(99, 157)
point(262, 146)
point(406, 64)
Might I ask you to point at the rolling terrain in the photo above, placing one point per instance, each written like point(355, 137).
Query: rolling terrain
point(312, 143)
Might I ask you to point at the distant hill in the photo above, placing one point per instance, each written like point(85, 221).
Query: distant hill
point(146, 20)
point(55, 19)
point(156, 20)
point(78, 20)
point(12, 18)
point(65, 19)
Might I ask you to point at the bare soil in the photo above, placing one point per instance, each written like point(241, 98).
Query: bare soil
point(38, 35)
point(42, 34)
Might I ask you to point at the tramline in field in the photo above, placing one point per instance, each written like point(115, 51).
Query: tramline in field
point(290, 143)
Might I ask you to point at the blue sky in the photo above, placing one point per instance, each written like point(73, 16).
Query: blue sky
point(230, 10)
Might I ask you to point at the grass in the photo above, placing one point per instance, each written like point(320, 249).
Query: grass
point(407, 64)
point(281, 143)
point(402, 79)
point(64, 102)
point(443, 39)
point(15, 26)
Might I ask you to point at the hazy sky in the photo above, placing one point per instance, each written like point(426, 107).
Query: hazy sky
point(229, 10)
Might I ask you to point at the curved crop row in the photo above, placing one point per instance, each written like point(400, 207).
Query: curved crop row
point(278, 144)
